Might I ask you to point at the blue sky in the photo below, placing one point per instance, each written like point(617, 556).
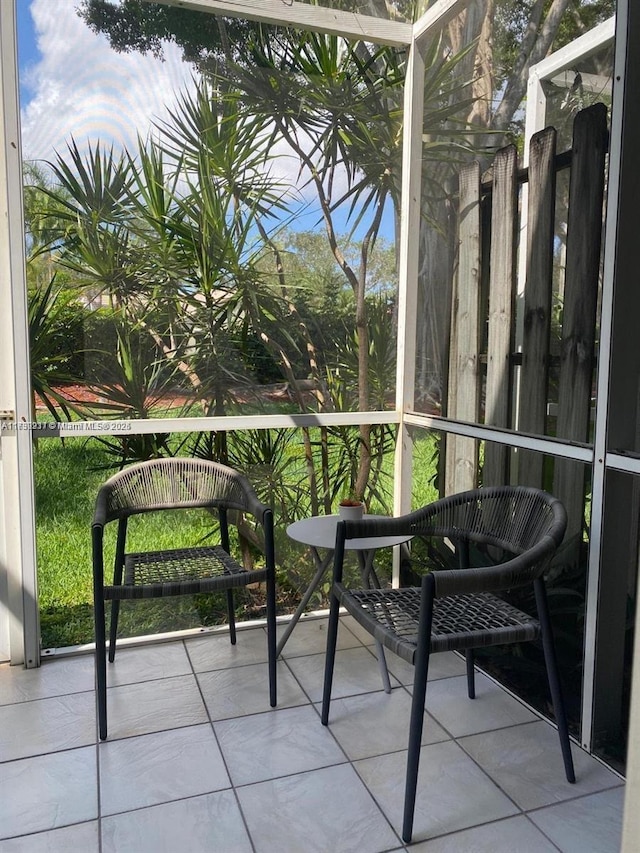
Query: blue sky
point(73, 84)
point(27, 52)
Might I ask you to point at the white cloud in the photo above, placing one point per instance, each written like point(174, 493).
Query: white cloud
point(80, 87)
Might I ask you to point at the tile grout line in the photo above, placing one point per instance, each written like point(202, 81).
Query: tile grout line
point(527, 813)
point(218, 744)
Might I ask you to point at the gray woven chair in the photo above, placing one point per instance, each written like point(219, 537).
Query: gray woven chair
point(458, 609)
point(167, 484)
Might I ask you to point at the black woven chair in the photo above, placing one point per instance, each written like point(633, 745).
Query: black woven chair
point(167, 484)
point(457, 609)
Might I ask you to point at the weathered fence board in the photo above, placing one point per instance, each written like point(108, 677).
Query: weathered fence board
point(502, 277)
point(464, 376)
point(483, 309)
point(584, 235)
point(538, 297)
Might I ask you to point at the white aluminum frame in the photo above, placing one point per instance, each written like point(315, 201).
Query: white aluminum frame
point(316, 18)
point(597, 456)
point(626, 90)
point(19, 618)
point(407, 285)
point(16, 496)
point(228, 423)
point(554, 66)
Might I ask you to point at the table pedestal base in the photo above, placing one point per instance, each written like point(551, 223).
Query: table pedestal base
point(365, 559)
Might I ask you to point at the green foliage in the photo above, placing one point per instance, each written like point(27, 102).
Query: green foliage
point(584, 16)
point(133, 380)
point(143, 26)
point(43, 219)
point(274, 463)
point(382, 343)
point(179, 237)
point(54, 328)
point(67, 478)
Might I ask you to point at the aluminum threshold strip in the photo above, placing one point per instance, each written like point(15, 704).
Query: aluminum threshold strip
point(183, 634)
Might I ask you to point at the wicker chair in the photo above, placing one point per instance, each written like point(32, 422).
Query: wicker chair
point(167, 484)
point(457, 609)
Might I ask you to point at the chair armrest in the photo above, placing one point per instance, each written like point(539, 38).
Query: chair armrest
point(253, 505)
point(520, 520)
point(100, 514)
point(518, 571)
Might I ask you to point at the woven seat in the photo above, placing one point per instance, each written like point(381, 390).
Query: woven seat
point(183, 571)
point(461, 608)
point(459, 622)
point(170, 484)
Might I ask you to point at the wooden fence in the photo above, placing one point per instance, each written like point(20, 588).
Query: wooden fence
point(500, 360)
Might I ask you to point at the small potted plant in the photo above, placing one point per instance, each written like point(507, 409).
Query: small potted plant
point(351, 508)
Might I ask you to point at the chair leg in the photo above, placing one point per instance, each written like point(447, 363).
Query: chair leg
point(421, 667)
point(555, 687)
point(332, 639)
point(113, 628)
point(415, 736)
point(231, 617)
point(271, 640)
point(101, 666)
point(471, 674)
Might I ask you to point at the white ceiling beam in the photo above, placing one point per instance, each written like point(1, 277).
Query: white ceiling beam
point(317, 18)
point(576, 51)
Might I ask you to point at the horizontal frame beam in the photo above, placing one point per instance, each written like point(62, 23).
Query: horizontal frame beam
point(582, 48)
point(627, 464)
point(136, 426)
point(318, 19)
point(541, 444)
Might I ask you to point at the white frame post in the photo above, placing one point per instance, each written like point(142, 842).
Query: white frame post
point(625, 131)
point(18, 593)
point(408, 283)
point(410, 216)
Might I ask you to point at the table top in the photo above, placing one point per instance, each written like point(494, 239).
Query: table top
point(320, 532)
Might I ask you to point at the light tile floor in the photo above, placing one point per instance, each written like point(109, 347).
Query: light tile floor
point(198, 762)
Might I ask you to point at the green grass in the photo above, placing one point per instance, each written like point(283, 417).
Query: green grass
point(67, 478)
point(68, 475)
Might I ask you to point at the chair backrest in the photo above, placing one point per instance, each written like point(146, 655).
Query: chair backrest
point(525, 522)
point(171, 484)
point(513, 518)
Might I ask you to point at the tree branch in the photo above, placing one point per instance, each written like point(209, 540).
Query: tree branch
point(535, 45)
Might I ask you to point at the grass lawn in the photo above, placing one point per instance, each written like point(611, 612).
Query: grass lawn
point(68, 475)
point(67, 478)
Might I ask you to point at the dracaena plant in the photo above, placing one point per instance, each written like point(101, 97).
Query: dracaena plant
point(48, 316)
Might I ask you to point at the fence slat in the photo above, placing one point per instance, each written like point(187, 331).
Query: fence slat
point(538, 295)
point(584, 234)
point(501, 289)
point(464, 372)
